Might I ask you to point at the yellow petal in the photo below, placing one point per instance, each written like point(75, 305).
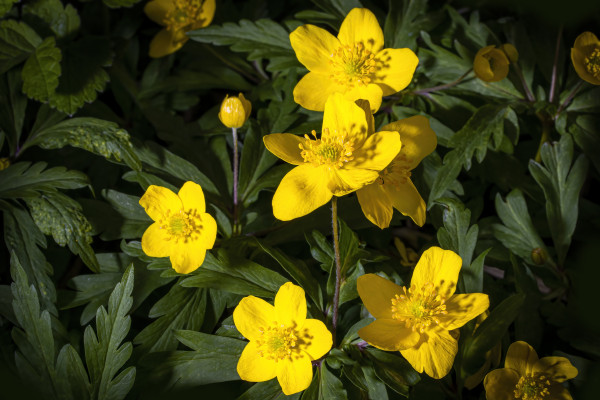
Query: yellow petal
point(372, 92)
point(192, 197)
point(377, 293)
point(344, 181)
point(157, 10)
point(360, 25)
point(558, 369)
point(417, 137)
point(521, 357)
point(481, 64)
point(251, 315)
point(285, 146)
point(388, 335)
point(375, 204)
point(511, 52)
point(314, 338)
point(462, 308)
point(395, 69)
point(345, 117)
point(290, 305)
point(586, 40)
point(165, 43)
point(155, 241)
point(208, 233)
point(578, 58)
point(377, 152)
point(559, 392)
point(186, 257)
point(252, 367)
point(366, 107)
point(313, 47)
point(439, 267)
point(500, 384)
point(158, 200)
point(314, 89)
point(246, 104)
point(433, 354)
point(294, 373)
point(406, 198)
point(207, 14)
point(301, 191)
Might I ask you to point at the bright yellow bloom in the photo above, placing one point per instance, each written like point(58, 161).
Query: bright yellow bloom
point(421, 321)
point(178, 17)
point(347, 156)
point(354, 64)
point(393, 188)
point(491, 64)
point(283, 342)
point(4, 163)
point(526, 377)
point(181, 228)
point(235, 111)
point(585, 55)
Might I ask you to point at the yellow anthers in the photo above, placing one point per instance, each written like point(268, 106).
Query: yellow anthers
point(181, 226)
point(418, 308)
point(277, 342)
point(532, 387)
point(184, 15)
point(592, 63)
point(4, 163)
point(332, 150)
point(585, 55)
point(352, 65)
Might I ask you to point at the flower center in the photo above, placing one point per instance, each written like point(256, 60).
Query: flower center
point(396, 173)
point(592, 63)
point(352, 65)
point(333, 150)
point(418, 308)
point(184, 16)
point(532, 387)
point(277, 342)
point(182, 226)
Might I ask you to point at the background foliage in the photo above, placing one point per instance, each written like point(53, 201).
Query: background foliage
point(89, 121)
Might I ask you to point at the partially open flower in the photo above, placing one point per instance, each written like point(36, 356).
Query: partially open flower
point(235, 111)
point(491, 63)
point(585, 55)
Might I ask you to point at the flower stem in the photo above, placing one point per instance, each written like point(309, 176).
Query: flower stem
point(442, 87)
point(555, 66)
point(528, 93)
point(235, 180)
point(568, 99)
point(338, 265)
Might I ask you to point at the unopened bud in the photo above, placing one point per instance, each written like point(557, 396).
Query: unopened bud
point(539, 256)
point(4, 163)
point(235, 111)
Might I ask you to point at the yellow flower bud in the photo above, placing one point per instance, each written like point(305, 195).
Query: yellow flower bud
point(491, 64)
point(235, 111)
point(585, 55)
point(539, 256)
point(4, 163)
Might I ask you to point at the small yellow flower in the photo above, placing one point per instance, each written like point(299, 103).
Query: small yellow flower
point(585, 55)
point(526, 377)
point(235, 111)
point(354, 64)
point(393, 188)
point(178, 17)
point(4, 163)
point(491, 64)
point(181, 229)
point(421, 321)
point(408, 257)
point(347, 156)
point(283, 342)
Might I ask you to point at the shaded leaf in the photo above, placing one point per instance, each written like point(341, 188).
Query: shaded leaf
point(41, 71)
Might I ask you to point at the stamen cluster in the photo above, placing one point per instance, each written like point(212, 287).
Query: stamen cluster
point(277, 342)
point(532, 387)
point(352, 65)
point(185, 14)
point(592, 63)
point(182, 226)
point(418, 308)
point(332, 150)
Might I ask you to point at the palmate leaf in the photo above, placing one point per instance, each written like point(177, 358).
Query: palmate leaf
point(42, 70)
point(17, 42)
point(26, 180)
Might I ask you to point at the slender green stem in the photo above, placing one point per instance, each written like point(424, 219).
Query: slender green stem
point(442, 87)
point(338, 265)
point(528, 93)
point(555, 66)
point(235, 179)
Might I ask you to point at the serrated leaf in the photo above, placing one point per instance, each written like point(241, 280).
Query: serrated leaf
point(339, 7)
point(41, 71)
point(61, 20)
point(72, 376)
point(26, 180)
point(584, 132)
point(13, 106)
point(269, 390)
point(445, 176)
point(17, 42)
point(403, 23)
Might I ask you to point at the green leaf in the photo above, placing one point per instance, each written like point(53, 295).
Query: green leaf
point(445, 176)
point(41, 71)
point(24, 180)
point(262, 39)
point(330, 387)
point(393, 370)
point(5, 6)
point(103, 138)
point(339, 7)
point(12, 110)
point(561, 184)
point(269, 390)
point(72, 376)
point(61, 20)
point(120, 3)
point(584, 133)
point(104, 353)
point(17, 42)
point(403, 23)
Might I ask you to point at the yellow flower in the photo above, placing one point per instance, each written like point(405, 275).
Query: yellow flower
point(178, 17)
point(491, 64)
point(235, 111)
point(393, 188)
point(283, 342)
point(421, 322)
point(347, 156)
point(354, 64)
point(526, 377)
point(4, 163)
point(585, 55)
point(181, 228)
point(408, 257)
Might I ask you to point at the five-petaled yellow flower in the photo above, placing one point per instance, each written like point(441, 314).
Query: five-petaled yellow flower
point(181, 229)
point(353, 64)
point(491, 63)
point(283, 342)
point(394, 188)
point(178, 17)
point(585, 55)
point(347, 156)
point(420, 322)
point(526, 377)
